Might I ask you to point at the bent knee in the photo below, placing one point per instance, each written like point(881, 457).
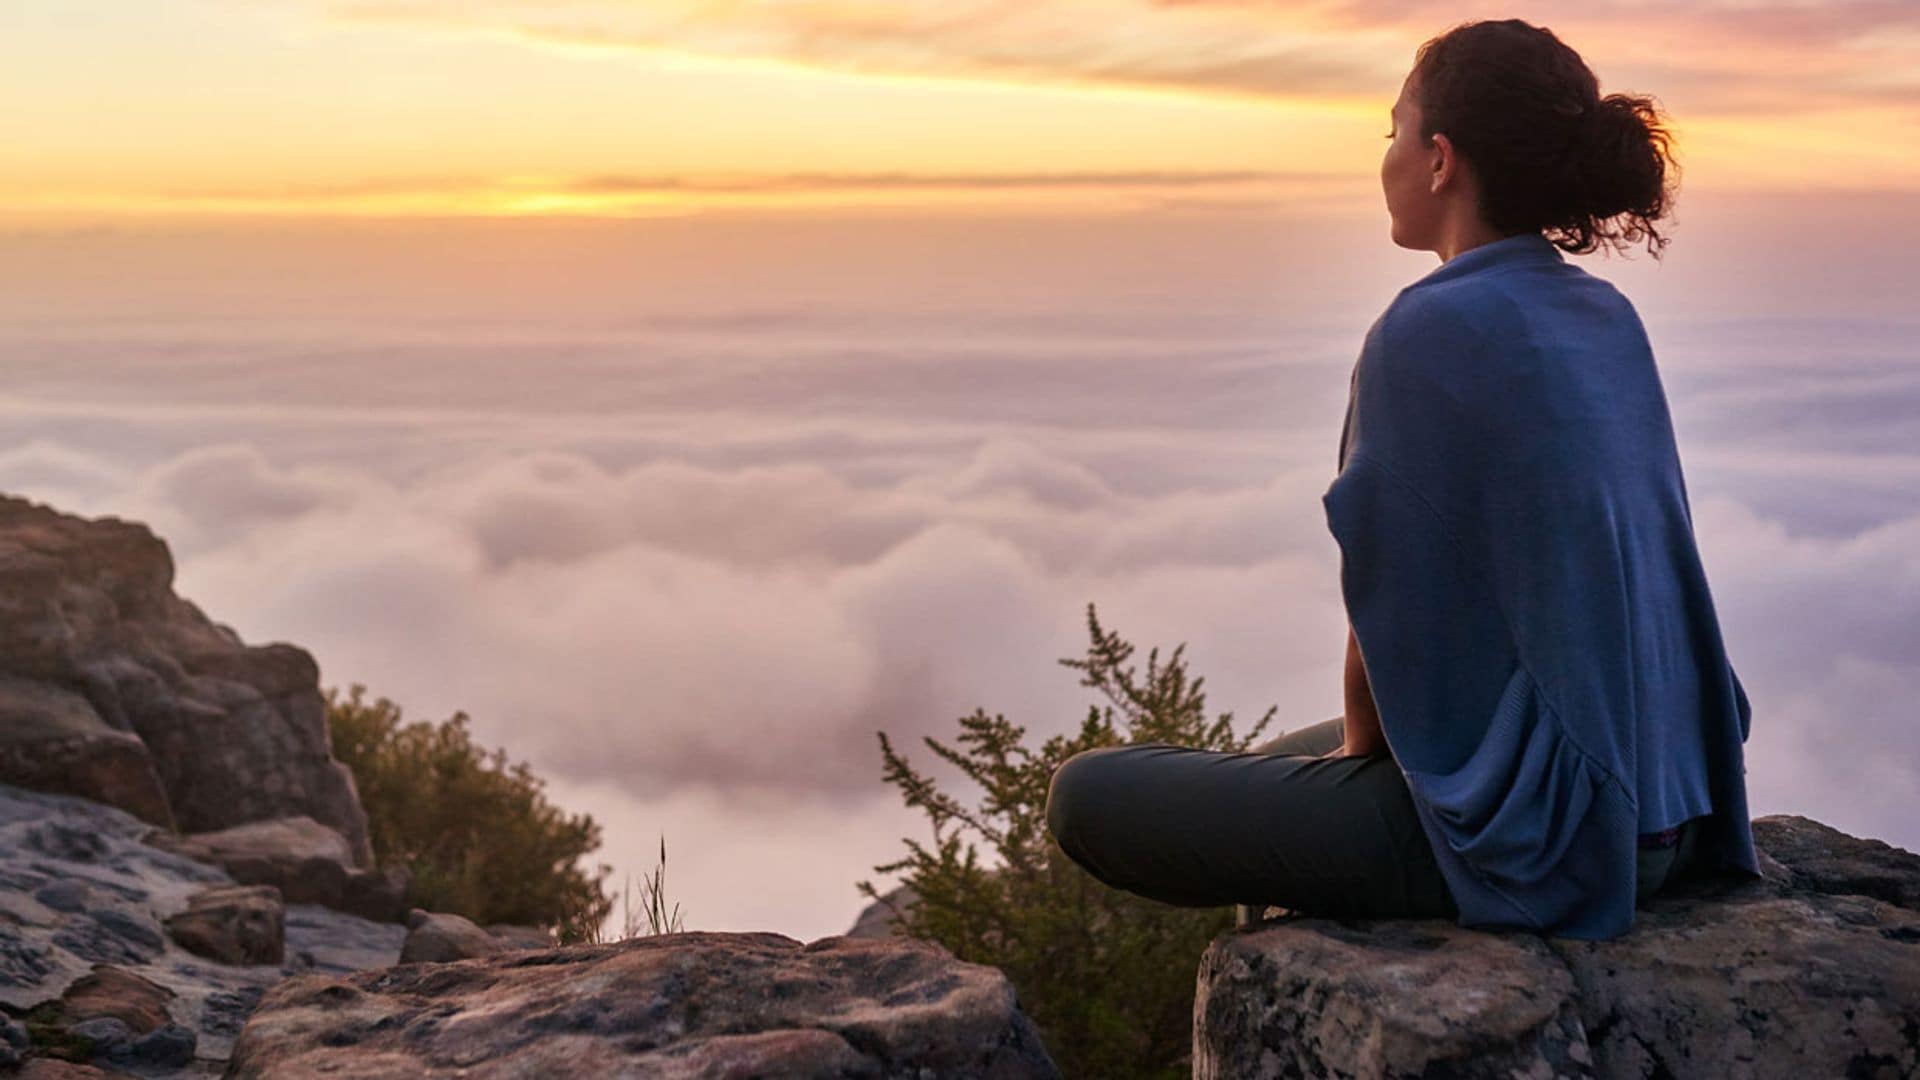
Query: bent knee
point(1075, 793)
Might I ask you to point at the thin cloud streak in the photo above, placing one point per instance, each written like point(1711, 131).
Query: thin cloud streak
point(1745, 58)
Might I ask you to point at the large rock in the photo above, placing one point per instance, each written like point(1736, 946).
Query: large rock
point(672, 1005)
point(308, 862)
point(96, 650)
point(1813, 970)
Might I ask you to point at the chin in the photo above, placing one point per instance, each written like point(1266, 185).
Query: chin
point(1398, 232)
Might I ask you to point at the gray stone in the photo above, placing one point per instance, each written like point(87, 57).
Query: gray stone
point(1806, 972)
point(108, 1036)
point(437, 938)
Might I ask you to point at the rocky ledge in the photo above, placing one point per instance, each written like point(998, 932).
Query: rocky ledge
point(118, 954)
point(1812, 970)
point(690, 1004)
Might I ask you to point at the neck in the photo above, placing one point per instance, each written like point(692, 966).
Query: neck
point(1463, 235)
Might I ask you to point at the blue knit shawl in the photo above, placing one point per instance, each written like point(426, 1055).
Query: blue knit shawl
point(1519, 567)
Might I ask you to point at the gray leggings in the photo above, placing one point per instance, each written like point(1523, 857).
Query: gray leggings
point(1275, 825)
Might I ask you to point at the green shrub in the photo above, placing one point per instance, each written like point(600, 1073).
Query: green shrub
point(1105, 975)
point(476, 831)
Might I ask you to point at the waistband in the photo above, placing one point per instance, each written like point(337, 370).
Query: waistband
point(1666, 838)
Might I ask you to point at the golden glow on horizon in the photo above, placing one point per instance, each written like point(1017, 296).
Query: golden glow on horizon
point(206, 108)
point(513, 200)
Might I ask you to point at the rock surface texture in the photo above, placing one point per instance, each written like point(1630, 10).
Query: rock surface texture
point(692, 1004)
point(234, 924)
point(114, 688)
point(1813, 970)
point(91, 959)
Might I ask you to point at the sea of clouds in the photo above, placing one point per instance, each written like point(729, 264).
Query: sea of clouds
point(683, 512)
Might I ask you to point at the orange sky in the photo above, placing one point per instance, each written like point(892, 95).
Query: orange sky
point(488, 107)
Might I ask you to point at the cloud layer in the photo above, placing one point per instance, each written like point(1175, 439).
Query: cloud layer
point(687, 557)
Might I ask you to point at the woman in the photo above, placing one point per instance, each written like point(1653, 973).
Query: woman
point(1541, 724)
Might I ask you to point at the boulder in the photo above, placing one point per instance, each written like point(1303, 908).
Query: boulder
point(52, 739)
point(99, 653)
point(113, 993)
point(234, 924)
point(1813, 970)
point(437, 937)
point(689, 1004)
point(308, 862)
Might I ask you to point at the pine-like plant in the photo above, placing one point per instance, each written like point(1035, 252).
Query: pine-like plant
point(1105, 975)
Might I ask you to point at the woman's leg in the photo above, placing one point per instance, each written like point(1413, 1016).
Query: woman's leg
point(1658, 866)
point(1312, 740)
point(1203, 828)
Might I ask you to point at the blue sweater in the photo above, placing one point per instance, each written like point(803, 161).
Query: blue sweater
point(1519, 568)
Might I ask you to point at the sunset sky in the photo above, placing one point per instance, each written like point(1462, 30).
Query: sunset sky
point(667, 106)
point(688, 390)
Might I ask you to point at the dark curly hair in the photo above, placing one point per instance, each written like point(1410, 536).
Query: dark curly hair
point(1552, 155)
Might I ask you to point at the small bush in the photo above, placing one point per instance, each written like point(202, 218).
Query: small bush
point(1105, 975)
point(476, 831)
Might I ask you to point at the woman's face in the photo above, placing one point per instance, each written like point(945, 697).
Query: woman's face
point(1407, 175)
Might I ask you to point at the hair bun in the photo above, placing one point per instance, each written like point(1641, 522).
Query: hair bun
point(1553, 154)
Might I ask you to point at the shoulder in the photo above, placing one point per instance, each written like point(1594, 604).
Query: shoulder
point(1434, 332)
point(1506, 313)
point(1477, 306)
